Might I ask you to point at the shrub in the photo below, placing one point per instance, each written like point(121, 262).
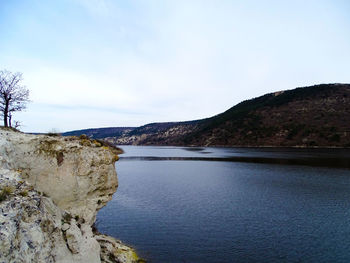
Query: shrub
point(83, 137)
point(24, 193)
point(5, 192)
point(67, 217)
point(54, 132)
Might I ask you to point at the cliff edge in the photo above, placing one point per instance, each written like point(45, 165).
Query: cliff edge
point(50, 191)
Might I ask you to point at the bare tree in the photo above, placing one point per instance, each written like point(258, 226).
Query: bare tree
point(13, 95)
point(17, 124)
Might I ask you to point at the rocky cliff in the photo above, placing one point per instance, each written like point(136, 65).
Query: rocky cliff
point(50, 191)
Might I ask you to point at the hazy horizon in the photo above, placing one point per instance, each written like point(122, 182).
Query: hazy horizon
point(104, 63)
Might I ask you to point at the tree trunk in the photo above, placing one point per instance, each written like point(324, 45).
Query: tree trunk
point(6, 113)
point(5, 120)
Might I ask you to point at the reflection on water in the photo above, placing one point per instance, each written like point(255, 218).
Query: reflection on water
point(232, 204)
point(312, 161)
point(194, 149)
point(313, 157)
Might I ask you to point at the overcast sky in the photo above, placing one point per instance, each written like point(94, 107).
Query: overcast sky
point(103, 63)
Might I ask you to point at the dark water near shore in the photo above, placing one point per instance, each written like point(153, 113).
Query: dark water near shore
point(232, 204)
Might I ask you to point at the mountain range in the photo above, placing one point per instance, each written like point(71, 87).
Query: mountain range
point(315, 116)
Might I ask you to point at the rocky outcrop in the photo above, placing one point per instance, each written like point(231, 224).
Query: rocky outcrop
point(50, 191)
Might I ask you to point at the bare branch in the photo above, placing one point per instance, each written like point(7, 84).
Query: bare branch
point(13, 96)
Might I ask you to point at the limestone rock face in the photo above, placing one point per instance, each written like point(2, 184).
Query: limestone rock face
point(50, 191)
point(78, 175)
point(31, 227)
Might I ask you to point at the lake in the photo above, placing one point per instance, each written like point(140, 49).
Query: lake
point(177, 204)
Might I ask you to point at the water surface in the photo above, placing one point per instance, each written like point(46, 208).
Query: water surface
point(232, 204)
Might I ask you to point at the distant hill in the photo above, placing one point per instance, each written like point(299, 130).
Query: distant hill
point(311, 116)
point(100, 133)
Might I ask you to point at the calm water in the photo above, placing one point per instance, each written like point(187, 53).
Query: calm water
point(232, 205)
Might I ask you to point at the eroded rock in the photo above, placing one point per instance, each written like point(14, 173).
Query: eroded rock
point(50, 191)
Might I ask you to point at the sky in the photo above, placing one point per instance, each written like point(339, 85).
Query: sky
point(118, 63)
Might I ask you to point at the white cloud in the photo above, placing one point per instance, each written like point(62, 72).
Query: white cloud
point(133, 62)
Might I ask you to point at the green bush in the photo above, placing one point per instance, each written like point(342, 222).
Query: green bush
point(5, 192)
